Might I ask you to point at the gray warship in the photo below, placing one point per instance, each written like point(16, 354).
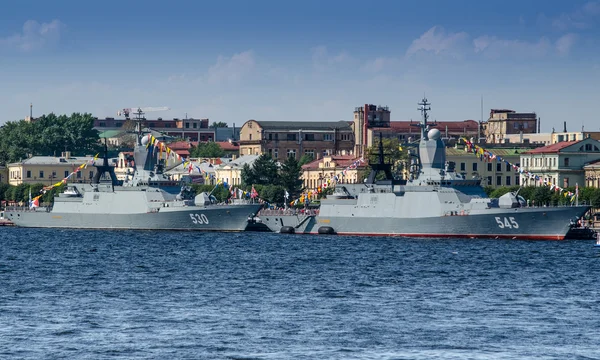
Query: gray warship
point(435, 202)
point(146, 200)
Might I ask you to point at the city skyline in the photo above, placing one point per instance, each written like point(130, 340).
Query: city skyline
point(234, 61)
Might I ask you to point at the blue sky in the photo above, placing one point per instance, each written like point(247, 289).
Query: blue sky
point(312, 60)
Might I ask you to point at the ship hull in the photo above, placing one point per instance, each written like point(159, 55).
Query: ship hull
point(218, 218)
point(523, 223)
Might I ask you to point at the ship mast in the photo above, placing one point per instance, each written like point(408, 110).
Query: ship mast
point(424, 107)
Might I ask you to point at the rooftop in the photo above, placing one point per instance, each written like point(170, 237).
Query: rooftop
point(552, 149)
point(304, 125)
point(341, 161)
point(53, 160)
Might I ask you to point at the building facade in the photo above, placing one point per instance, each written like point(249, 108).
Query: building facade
point(561, 164)
point(231, 172)
point(283, 139)
point(370, 121)
point(323, 170)
point(503, 122)
point(491, 172)
point(592, 174)
point(48, 170)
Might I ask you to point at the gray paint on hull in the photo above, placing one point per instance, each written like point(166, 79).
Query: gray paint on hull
point(220, 218)
point(531, 223)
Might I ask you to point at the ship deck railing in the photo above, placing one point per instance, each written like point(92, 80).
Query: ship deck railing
point(281, 212)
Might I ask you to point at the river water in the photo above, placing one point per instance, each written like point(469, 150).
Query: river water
point(186, 295)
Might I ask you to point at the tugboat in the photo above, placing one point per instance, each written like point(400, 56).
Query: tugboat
point(141, 202)
point(435, 202)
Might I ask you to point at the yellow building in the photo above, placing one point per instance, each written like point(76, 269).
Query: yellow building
point(3, 175)
point(322, 171)
point(492, 173)
point(48, 170)
point(231, 172)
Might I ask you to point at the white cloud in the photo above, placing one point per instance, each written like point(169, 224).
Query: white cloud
point(322, 59)
point(35, 36)
point(380, 64)
point(493, 47)
point(437, 41)
point(565, 43)
point(581, 18)
point(231, 69)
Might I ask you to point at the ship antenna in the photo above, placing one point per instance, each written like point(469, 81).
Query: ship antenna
point(424, 107)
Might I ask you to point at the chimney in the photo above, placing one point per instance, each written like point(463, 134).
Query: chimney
point(539, 123)
point(565, 127)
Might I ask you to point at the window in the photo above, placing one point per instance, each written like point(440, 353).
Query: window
point(508, 180)
point(489, 166)
point(187, 125)
point(79, 174)
point(249, 136)
point(270, 152)
point(276, 136)
point(517, 181)
point(291, 137)
point(195, 125)
point(291, 153)
point(554, 162)
point(275, 153)
point(167, 125)
point(525, 125)
point(516, 125)
point(463, 166)
point(498, 180)
point(566, 161)
point(566, 182)
point(29, 174)
point(499, 167)
point(489, 180)
point(270, 136)
point(91, 174)
point(327, 137)
point(508, 167)
point(474, 166)
point(309, 137)
point(119, 124)
point(41, 174)
point(310, 153)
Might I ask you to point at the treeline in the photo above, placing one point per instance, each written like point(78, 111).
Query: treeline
point(48, 135)
point(542, 195)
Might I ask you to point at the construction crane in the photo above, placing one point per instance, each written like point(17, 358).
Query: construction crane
point(139, 111)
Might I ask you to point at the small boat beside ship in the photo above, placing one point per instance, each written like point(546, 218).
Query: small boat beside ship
point(435, 202)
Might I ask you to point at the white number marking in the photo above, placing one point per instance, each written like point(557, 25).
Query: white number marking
point(510, 222)
point(199, 218)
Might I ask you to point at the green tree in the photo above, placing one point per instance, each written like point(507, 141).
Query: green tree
point(264, 171)
point(247, 176)
point(305, 159)
point(393, 152)
point(48, 135)
point(208, 149)
point(219, 124)
point(289, 176)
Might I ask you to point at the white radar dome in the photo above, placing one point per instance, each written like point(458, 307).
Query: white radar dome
point(434, 134)
point(145, 140)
